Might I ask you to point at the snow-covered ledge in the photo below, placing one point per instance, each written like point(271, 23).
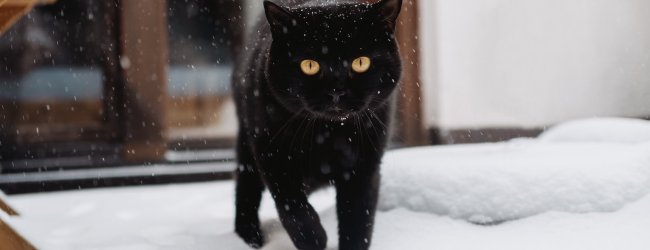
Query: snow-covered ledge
point(573, 188)
point(596, 165)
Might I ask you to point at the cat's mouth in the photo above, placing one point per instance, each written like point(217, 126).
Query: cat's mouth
point(335, 109)
point(332, 112)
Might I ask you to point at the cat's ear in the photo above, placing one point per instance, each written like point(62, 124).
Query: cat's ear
point(280, 19)
point(388, 11)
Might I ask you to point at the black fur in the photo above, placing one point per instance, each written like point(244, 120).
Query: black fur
point(295, 136)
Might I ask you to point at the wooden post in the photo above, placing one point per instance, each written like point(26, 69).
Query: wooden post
point(411, 123)
point(144, 60)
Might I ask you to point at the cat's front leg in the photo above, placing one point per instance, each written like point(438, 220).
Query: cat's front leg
point(356, 200)
point(296, 214)
point(249, 190)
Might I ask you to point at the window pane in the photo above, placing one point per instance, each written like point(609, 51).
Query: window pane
point(200, 69)
point(53, 66)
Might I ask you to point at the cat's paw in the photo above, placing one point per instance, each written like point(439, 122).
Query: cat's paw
point(251, 234)
point(316, 240)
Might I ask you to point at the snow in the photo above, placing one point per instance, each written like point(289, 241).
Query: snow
point(586, 192)
point(621, 130)
point(189, 216)
point(592, 165)
point(490, 183)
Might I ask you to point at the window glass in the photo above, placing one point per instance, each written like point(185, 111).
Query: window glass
point(200, 57)
point(53, 66)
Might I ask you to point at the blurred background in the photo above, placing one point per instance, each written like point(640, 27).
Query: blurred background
point(112, 93)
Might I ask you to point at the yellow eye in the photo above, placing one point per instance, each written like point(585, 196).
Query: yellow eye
point(309, 67)
point(361, 64)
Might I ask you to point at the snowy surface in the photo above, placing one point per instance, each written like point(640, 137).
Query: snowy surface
point(611, 130)
point(490, 183)
point(592, 165)
point(562, 193)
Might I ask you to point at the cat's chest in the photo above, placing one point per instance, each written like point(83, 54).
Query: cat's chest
point(314, 141)
point(335, 147)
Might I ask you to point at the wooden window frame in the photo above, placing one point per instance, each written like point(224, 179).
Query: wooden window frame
point(411, 127)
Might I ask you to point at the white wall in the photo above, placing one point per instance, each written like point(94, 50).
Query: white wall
point(534, 62)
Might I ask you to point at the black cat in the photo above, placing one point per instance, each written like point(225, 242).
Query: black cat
point(314, 94)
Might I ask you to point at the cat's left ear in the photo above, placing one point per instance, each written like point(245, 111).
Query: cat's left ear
point(389, 11)
point(279, 18)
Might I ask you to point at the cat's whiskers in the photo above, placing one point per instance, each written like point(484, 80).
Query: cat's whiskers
point(311, 135)
point(363, 129)
point(310, 122)
point(372, 125)
point(282, 129)
point(295, 134)
point(383, 125)
point(376, 101)
point(357, 134)
point(360, 135)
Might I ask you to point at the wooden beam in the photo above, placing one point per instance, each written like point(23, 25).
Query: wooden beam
point(10, 13)
point(4, 206)
point(144, 61)
point(10, 239)
point(26, 2)
point(411, 124)
point(12, 10)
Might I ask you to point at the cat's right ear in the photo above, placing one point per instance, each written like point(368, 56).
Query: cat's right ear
point(389, 10)
point(280, 19)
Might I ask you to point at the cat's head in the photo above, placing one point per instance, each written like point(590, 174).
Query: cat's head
point(334, 60)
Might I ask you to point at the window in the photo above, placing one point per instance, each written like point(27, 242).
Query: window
point(77, 82)
point(55, 68)
point(200, 66)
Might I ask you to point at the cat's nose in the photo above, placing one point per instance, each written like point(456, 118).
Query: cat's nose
point(336, 96)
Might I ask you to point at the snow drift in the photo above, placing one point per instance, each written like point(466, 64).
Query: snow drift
point(611, 130)
point(491, 183)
